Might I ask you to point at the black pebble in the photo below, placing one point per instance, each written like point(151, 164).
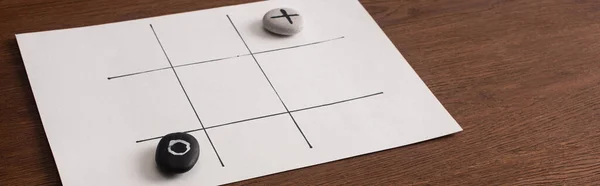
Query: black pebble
point(172, 154)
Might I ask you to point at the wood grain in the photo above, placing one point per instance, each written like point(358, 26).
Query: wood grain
point(520, 76)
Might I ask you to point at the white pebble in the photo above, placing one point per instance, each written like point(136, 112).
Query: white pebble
point(283, 21)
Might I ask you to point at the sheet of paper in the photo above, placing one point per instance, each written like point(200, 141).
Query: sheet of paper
point(269, 104)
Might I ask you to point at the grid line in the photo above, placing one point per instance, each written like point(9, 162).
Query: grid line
point(224, 58)
point(186, 94)
point(270, 83)
point(271, 115)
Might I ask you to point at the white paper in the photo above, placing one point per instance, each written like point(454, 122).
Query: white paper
point(347, 87)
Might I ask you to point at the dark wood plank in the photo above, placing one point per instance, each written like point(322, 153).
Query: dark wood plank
point(520, 76)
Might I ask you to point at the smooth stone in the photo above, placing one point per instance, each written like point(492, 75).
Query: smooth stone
point(283, 21)
point(177, 153)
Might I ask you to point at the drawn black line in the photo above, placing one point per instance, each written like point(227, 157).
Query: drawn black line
point(272, 115)
point(136, 73)
point(297, 46)
point(337, 102)
point(225, 58)
point(268, 80)
point(149, 139)
point(186, 94)
point(212, 60)
point(240, 121)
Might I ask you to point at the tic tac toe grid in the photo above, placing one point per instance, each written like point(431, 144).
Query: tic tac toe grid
point(252, 54)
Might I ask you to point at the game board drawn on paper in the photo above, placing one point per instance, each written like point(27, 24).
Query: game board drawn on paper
point(257, 103)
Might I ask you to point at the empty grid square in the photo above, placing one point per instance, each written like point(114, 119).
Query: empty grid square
point(319, 74)
point(278, 132)
point(229, 90)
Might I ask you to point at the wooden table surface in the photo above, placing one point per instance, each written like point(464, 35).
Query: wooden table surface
point(522, 77)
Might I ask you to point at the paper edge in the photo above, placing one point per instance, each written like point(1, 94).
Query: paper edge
point(19, 39)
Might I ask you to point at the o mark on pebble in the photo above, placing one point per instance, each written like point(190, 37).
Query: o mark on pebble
point(173, 142)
